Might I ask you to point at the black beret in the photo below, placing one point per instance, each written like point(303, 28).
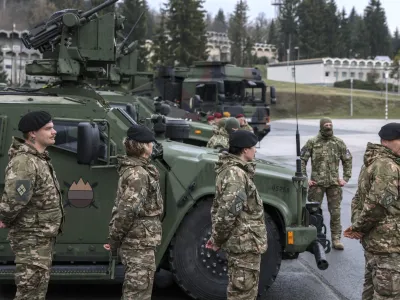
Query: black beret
point(242, 139)
point(390, 132)
point(33, 121)
point(141, 134)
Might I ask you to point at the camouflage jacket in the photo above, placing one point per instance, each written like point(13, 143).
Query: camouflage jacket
point(136, 215)
point(247, 127)
point(376, 207)
point(31, 201)
point(219, 140)
point(237, 213)
point(325, 154)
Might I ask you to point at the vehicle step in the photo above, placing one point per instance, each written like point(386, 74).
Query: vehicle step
point(73, 271)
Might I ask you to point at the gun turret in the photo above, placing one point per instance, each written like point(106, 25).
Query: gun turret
point(81, 43)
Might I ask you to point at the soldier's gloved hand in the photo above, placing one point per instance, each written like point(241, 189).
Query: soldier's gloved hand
point(342, 182)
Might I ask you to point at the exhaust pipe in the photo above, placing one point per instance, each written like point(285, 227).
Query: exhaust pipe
point(319, 254)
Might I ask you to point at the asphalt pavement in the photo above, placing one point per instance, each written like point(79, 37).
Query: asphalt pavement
point(298, 279)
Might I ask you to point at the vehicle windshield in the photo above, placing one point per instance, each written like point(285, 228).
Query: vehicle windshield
point(245, 91)
point(125, 114)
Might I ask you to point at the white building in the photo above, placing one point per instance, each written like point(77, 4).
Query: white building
point(326, 71)
point(15, 55)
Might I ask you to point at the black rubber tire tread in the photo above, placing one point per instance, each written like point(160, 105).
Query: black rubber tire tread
point(183, 250)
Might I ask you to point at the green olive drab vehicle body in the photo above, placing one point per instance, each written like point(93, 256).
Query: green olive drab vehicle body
point(90, 132)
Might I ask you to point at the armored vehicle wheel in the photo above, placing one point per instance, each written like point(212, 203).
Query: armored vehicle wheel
point(202, 273)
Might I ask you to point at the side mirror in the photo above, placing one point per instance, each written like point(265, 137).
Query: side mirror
point(273, 95)
point(221, 97)
point(88, 142)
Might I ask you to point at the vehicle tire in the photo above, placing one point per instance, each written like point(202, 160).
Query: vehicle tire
point(202, 273)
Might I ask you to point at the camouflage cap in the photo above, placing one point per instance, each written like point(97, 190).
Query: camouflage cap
point(324, 120)
point(390, 131)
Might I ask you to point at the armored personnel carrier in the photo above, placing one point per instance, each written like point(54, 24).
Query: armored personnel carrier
point(89, 137)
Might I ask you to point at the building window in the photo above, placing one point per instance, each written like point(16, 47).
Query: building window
point(352, 74)
point(326, 74)
point(8, 66)
point(344, 74)
point(335, 74)
point(360, 75)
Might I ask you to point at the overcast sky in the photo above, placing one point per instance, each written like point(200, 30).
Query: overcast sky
point(392, 8)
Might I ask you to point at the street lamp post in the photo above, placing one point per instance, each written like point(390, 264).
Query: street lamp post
point(386, 94)
point(351, 97)
point(298, 52)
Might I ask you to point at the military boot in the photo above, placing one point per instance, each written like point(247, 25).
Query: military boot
point(337, 244)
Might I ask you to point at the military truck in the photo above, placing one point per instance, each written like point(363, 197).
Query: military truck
point(213, 86)
point(89, 137)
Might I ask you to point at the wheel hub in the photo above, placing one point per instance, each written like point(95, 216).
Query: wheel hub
point(214, 261)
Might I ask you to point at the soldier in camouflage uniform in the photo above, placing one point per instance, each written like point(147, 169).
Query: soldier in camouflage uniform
point(221, 138)
point(31, 205)
point(135, 226)
point(243, 123)
point(237, 214)
point(375, 215)
point(326, 151)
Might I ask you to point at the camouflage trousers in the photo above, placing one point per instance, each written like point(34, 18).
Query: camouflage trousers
point(244, 274)
point(140, 266)
point(382, 277)
point(334, 197)
point(33, 259)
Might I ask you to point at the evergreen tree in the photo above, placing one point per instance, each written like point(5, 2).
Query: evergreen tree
point(376, 25)
point(238, 32)
point(219, 23)
point(160, 47)
point(131, 10)
point(333, 27)
point(209, 22)
point(288, 21)
point(345, 49)
point(361, 39)
point(187, 30)
point(273, 37)
point(312, 35)
point(396, 42)
point(395, 72)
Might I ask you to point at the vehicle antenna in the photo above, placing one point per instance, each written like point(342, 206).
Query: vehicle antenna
point(299, 178)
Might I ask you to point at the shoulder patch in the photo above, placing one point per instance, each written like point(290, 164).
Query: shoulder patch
point(237, 205)
point(22, 188)
point(348, 154)
point(388, 199)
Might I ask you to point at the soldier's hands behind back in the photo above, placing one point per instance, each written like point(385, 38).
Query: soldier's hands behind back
point(342, 182)
point(2, 225)
point(210, 245)
point(107, 247)
point(311, 183)
point(349, 233)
